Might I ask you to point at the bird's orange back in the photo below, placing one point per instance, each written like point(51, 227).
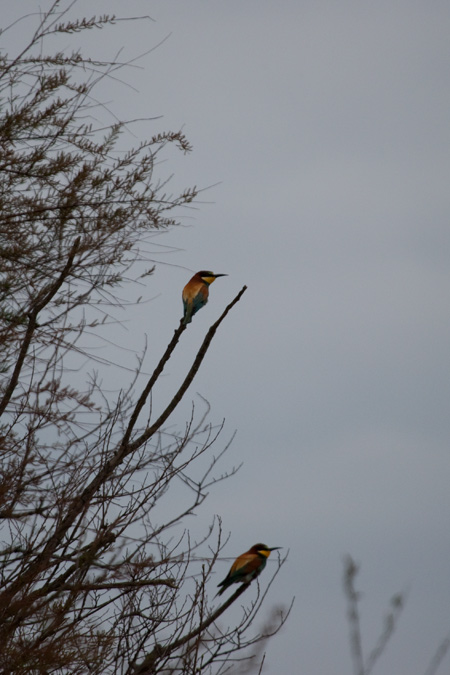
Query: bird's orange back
point(251, 560)
point(193, 288)
point(244, 560)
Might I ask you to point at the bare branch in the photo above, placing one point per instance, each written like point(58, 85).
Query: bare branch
point(350, 572)
point(438, 657)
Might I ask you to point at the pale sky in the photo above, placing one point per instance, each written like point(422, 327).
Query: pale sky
point(324, 129)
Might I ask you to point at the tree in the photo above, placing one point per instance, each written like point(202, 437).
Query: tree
point(365, 664)
point(94, 576)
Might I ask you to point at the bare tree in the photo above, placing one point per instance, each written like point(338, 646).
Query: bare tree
point(363, 665)
point(98, 571)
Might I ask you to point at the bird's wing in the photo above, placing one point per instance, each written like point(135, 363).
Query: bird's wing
point(198, 302)
point(192, 289)
point(195, 293)
point(244, 564)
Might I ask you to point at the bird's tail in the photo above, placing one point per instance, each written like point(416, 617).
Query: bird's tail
point(222, 587)
point(187, 316)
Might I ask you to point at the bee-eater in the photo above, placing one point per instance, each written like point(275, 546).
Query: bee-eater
point(195, 293)
point(247, 566)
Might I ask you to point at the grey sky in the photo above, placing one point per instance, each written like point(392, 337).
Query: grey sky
point(327, 128)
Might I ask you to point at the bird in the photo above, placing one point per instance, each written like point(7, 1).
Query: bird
point(247, 566)
point(195, 293)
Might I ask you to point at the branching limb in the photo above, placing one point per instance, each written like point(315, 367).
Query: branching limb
point(361, 667)
point(148, 665)
point(82, 501)
point(41, 300)
point(148, 433)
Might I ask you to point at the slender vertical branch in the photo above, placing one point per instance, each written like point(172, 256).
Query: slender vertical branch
point(438, 657)
point(390, 623)
point(350, 572)
point(150, 384)
point(148, 433)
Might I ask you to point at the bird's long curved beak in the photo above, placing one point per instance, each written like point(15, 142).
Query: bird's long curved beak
point(220, 275)
point(275, 548)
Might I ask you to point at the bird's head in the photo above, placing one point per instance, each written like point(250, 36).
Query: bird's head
point(262, 549)
point(208, 277)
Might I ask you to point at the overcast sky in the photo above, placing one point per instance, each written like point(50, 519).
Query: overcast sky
point(324, 128)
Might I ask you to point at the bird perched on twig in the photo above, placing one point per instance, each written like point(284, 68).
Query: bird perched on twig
point(247, 566)
point(195, 293)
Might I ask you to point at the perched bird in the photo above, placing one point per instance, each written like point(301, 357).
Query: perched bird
point(195, 293)
point(247, 567)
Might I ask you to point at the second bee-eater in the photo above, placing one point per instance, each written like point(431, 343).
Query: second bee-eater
point(247, 566)
point(195, 293)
